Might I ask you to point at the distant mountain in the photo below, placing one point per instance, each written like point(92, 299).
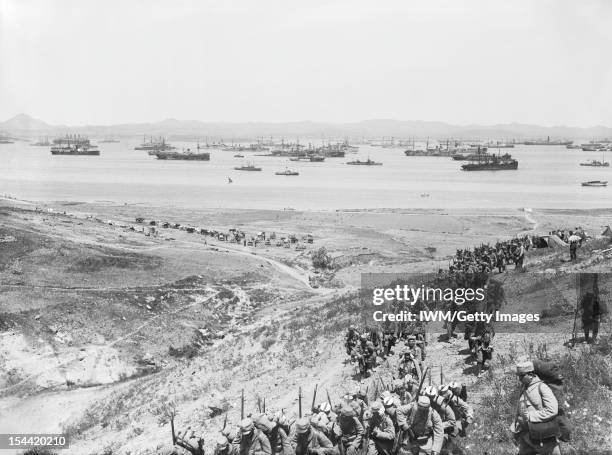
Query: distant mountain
point(23, 124)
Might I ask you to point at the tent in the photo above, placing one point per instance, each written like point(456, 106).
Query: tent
point(554, 241)
point(607, 232)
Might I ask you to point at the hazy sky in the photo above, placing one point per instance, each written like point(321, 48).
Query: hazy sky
point(101, 62)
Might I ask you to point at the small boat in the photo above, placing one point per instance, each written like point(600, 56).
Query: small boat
point(248, 167)
point(317, 159)
point(287, 172)
point(229, 180)
point(596, 163)
point(368, 162)
point(595, 183)
point(238, 155)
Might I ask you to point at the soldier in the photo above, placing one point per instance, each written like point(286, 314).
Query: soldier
point(389, 341)
point(591, 315)
point(449, 423)
point(308, 441)
point(380, 430)
point(351, 431)
point(411, 363)
point(421, 428)
point(483, 351)
point(357, 402)
point(537, 404)
point(325, 422)
point(352, 337)
point(369, 357)
point(231, 434)
point(464, 414)
point(279, 440)
point(222, 446)
point(251, 441)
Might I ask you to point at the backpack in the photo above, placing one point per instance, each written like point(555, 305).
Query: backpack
point(550, 374)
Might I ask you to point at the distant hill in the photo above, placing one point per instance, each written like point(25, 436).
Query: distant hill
point(25, 125)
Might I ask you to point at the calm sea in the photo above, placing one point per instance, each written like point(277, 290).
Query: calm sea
point(548, 176)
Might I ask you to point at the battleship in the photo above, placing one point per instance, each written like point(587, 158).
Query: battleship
point(548, 142)
point(154, 146)
point(248, 167)
point(74, 145)
point(287, 172)
point(595, 183)
point(368, 162)
point(188, 155)
point(500, 145)
point(487, 162)
point(596, 163)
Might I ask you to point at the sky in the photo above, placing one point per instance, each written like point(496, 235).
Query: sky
point(545, 62)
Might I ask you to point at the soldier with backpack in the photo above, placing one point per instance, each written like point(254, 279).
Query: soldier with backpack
point(251, 441)
point(535, 426)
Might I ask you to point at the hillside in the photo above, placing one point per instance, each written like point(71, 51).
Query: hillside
point(105, 329)
point(25, 125)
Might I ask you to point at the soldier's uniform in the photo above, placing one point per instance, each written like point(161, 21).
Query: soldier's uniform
point(380, 430)
point(222, 446)
point(306, 440)
point(351, 431)
point(251, 441)
point(326, 422)
point(421, 428)
point(591, 315)
point(279, 440)
point(536, 404)
point(464, 414)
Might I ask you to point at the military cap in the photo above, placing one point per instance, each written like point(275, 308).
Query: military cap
point(302, 425)
point(347, 411)
point(411, 337)
point(388, 401)
point(423, 402)
point(246, 426)
point(429, 391)
point(221, 441)
point(377, 407)
point(325, 407)
point(524, 367)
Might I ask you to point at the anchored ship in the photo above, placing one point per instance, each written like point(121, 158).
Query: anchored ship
point(188, 155)
point(248, 167)
point(368, 162)
point(487, 162)
point(287, 172)
point(74, 145)
point(596, 163)
point(548, 142)
point(595, 183)
point(154, 146)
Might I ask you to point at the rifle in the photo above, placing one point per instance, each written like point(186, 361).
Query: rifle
point(259, 403)
point(314, 397)
point(264, 405)
point(441, 374)
point(300, 402)
point(242, 405)
point(383, 383)
point(328, 399)
point(421, 383)
point(180, 440)
point(224, 422)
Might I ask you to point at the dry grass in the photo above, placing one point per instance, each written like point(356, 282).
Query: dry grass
point(587, 375)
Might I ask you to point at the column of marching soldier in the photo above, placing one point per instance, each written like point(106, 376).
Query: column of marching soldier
point(405, 417)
